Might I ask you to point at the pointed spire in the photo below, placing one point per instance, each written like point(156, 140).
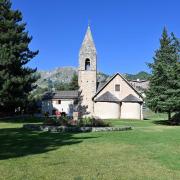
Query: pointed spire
point(88, 22)
point(88, 42)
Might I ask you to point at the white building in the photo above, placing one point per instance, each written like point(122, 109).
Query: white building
point(62, 101)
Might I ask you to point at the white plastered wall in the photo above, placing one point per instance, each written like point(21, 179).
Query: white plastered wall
point(130, 110)
point(105, 110)
point(66, 106)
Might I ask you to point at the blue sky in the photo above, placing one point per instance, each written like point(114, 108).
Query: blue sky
point(126, 32)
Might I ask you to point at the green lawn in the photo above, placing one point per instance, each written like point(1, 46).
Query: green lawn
point(150, 151)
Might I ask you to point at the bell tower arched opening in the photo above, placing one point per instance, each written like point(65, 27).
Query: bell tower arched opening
point(87, 64)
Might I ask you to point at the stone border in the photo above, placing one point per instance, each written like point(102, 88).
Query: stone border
point(46, 128)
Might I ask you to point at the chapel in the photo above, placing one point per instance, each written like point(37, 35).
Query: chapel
point(112, 99)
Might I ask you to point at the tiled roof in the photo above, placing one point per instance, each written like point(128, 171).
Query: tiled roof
point(107, 97)
point(100, 85)
point(131, 98)
point(88, 40)
point(61, 95)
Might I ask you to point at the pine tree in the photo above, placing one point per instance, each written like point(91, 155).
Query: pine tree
point(73, 85)
point(172, 93)
point(161, 96)
point(16, 79)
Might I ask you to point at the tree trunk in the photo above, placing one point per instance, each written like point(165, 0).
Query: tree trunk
point(169, 115)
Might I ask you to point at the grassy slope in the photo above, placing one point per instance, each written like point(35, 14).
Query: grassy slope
point(150, 151)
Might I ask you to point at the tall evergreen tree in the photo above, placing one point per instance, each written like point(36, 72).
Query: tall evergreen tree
point(172, 93)
point(162, 95)
point(73, 85)
point(16, 79)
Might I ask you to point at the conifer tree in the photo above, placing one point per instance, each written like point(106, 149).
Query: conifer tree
point(16, 79)
point(172, 93)
point(162, 95)
point(73, 85)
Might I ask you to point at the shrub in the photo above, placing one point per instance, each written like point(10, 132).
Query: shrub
point(63, 120)
point(83, 122)
point(175, 120)
point(92, 122)
point(51, 121)
point(99, 123)
point(72, 122)
point(46, 114)
point(57, 121)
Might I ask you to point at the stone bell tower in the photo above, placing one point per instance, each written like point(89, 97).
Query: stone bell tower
point(87, 72)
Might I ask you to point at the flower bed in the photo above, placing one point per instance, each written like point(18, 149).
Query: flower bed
point(46, 128)
point(82, 122)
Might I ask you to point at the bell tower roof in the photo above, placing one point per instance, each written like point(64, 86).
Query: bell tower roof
point(88, 42)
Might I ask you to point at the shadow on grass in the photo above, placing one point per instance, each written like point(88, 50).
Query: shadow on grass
point(167, 123)
point(22, 120)
point(162, 122)
point(146, 119)
point(17, 142)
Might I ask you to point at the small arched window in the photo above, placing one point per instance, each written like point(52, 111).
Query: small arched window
point(87, 64)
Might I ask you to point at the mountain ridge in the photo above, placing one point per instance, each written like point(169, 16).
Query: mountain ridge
point(65, 74)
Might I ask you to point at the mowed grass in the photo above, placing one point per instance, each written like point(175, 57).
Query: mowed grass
point(150, 151)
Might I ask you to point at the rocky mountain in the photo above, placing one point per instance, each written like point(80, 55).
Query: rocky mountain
point(61, 75)
point(65, 74)
point(142, 75)
point(58, 75)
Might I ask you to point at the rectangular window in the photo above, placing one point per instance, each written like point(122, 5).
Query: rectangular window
point(57, 101)
point(117, 87)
